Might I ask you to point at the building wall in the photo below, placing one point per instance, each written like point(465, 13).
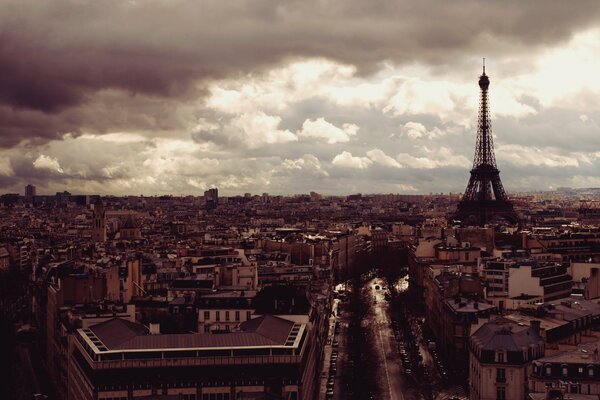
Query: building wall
point(520, 282)
point(222, 322)
point(484, 383)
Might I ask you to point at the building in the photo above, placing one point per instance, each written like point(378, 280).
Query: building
point(500, 359)
point(211, 198)
point(453, 306)
point(576, 372)
point(99, 223)
point(268, 358)
point(223, 311)
point(29, 190)
point(548, 280)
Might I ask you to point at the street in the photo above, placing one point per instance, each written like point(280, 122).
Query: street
point(395, 383)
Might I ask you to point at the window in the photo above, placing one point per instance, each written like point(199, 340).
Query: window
point(574, 389)
point(248, 315)
point(565, 370)
point(500, 375)
point(500, 356)
point(580, 370)
point(500, 393)
point(206, 315)
point(548, 370)
point(226, 315)
point(217, 315)
point(590, 372)
point(237, 315)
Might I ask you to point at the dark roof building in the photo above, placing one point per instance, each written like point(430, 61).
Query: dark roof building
point(268, 356)
point(501, 352)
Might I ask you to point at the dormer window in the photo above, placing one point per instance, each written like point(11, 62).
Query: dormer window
point(500, 356)
point(590, 371)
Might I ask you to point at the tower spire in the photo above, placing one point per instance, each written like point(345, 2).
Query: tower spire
point(483, 65)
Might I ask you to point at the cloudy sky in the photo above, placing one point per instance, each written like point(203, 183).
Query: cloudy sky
point(173, 96)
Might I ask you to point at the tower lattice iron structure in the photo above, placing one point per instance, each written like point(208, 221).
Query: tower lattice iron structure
point(485, 199)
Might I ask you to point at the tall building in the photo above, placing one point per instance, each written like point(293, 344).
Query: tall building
point(211, 198)
point(29, 190)
point(99, 224)
point(484, 199)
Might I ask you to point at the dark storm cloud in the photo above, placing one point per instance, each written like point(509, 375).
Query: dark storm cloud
point(57, 55)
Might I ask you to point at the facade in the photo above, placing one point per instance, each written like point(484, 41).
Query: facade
point(269, 358)
point(500, 357)
point(223, 312)
point(30, 190)
point(453, 306)
point(99, 223)
point(574, 372)
point(548, 280)
point(211, 198)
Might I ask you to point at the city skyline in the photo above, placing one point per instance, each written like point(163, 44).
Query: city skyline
point(283, 100)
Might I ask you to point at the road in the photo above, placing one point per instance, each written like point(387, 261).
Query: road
point(394, 383)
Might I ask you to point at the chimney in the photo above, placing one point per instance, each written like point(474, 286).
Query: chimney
point(535, 326)
point(154, 329)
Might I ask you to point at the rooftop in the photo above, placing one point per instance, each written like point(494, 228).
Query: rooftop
point(119, 334)
point(505, 334)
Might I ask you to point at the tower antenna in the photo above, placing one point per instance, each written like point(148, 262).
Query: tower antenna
point(484, 65)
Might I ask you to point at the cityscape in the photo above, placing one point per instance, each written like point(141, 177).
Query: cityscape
point(299, 201)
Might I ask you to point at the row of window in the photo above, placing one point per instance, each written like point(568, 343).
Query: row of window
point(565, 370)
point(227, 316)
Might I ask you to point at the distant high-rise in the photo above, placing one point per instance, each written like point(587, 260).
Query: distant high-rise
point(211, 198)
point(99, 228)
point(484, 199)
point(29, 190)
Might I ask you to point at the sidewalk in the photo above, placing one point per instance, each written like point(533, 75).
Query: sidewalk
point(327, 352)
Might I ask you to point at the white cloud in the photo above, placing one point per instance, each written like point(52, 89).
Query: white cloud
point(433, 158)
point(116, 137)
point(416, 130)
point(347, 160)
point(307, 163)
point(6, 167)
point(530, 155)
point(47, 162)
point(322, 129)
point(276, 90)
point(259, 129)
point(379, 157)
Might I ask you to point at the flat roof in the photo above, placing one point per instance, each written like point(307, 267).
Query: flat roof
point(118, 335)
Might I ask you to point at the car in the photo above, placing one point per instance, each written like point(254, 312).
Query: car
point(334, 352)
point(332, 370)
point(330, 382)
point(335, 343)
point(334, 358)
point(329, 393)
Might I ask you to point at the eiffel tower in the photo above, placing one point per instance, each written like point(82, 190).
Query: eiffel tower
point(484, 200)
